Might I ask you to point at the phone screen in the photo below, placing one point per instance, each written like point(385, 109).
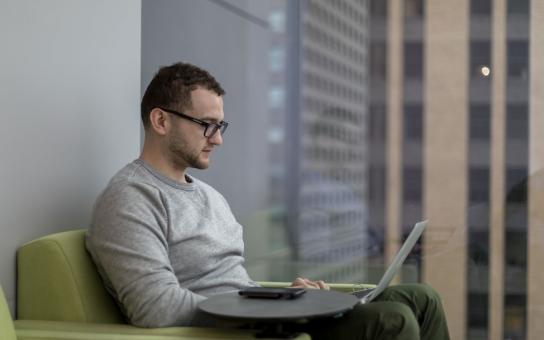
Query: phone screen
point(272, 293)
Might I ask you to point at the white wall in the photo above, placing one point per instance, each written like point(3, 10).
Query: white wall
point(69, 110)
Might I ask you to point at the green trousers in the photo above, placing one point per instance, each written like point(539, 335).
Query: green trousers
point(403, 312)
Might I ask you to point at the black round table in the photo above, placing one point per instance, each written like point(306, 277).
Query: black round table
point(272, 314)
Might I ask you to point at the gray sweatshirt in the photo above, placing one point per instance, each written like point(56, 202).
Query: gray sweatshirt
point(162, 246)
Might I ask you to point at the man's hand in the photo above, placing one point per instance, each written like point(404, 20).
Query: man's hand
point(305, 283)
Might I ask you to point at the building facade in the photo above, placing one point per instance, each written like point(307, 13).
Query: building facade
point(396, 111)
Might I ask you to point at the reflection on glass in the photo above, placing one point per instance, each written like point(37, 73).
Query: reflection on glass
point(330, 145)
point(276, 20)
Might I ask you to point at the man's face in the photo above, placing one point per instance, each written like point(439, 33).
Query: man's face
point(187, 145)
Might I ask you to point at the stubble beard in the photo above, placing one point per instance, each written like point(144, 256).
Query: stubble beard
point(184, 155)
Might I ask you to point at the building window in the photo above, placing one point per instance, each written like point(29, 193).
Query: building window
point(479, 185)
point(378, 60)
point(413, 8)
point(412, 185)
point(517, 123)
point(518, 59)
point(518, 7)
point(413, 122)
point(378, 9)
point(480, 7)
point(276, 59)
point(480, 59)
point(413, 60)
point(480, 122)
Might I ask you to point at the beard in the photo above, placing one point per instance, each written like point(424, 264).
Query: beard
point(184, 154)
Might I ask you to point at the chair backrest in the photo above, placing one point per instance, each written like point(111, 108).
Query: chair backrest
point(7, 332)
point(57, 280)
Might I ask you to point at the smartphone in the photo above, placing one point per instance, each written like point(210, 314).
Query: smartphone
point(272, 293)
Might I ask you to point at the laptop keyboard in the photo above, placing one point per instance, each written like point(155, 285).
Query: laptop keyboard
point(362, 293)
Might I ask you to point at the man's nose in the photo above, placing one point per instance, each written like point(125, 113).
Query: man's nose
point(217, 138)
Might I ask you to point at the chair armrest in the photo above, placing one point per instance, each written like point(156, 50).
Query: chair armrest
point(32, 327)
point(339, 287)
point(79, 330)
point(32, 334)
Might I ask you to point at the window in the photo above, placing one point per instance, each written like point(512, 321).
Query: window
point(480, 7)
point(378, 9)
point(517, 123)
point(518, 59)
point(413, 60)
point(479, 185)
point(378, 60)
point(413, 8)
point(520, 7)
point(480, 122)
point(413, 122)
point(480, 59)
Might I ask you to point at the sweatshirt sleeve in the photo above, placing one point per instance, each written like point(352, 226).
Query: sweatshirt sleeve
point(128, 242)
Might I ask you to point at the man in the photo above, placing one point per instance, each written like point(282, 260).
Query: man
point(163, 240)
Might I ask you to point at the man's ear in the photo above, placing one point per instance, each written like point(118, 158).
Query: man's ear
point(158, 121)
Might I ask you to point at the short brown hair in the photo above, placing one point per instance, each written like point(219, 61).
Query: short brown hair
point(172, 85)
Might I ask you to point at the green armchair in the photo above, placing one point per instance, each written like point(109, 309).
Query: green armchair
point(57, 280)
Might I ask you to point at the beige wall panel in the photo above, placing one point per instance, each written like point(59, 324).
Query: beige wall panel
point(498, 140)
point(394, 128)
point(445, 186)
point(535, 299)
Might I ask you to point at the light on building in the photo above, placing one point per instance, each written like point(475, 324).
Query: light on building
point(485, 70)
point(275, 135)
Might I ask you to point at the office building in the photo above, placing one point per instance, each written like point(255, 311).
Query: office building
point(452, 104)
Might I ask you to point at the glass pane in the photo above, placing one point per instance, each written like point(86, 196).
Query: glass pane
point(328, 161)
point(480, 7)
point(520, 7)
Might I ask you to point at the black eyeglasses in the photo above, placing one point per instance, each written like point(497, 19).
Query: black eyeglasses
point(209, 128)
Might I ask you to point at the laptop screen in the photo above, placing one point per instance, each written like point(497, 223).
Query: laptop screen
point(397, 262)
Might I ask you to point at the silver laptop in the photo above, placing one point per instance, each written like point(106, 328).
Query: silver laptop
point(368, 295)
